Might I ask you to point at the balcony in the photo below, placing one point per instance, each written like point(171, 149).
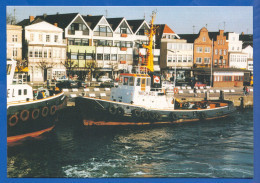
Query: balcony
point(123, 35)
point(71, 32)
point(123, 49)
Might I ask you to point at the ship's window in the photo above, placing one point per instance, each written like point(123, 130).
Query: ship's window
point(148, 81)
point(131, 81)
point(19, 92)
point(138, 82)
point(125, 81)
point(25, 91)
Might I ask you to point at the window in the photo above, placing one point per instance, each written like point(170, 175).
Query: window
point(36, 53)
point(189, 59)
point(113, 57)
point(45, 54)
point(179, 58)
point(219, 62)
point(40, 53)
point(14, 38)
point(207, 50)
point(199, 49)
point(49, 53)
point(20, 92)
point(106, 57)
point(224, 52)
point(204, 39)
point(81, 56)
point(169, 59)
point(131, 81)
point(233, 48)
point(198, 60)
point(25, 91)
point(31, 37)
point(224, 62)
point(138, 82)
point(100, 56)
point(56, 37)
point(218, 41)
point(216, 51)
point(14, 52)
point(174, 58)
point(74, 56)
point(206, 60)
point(40, 37)
point(184, 58)
point(169, 36)
point(125, 81)
point(220, 52)
point(47, 38)
point(30, 53)
point(216, 62)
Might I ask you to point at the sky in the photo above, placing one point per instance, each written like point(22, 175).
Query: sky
point(180, 19)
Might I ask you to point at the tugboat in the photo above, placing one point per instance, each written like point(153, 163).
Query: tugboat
point(29, 113)
point(136, 102)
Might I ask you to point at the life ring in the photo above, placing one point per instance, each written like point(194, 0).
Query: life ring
point(112, 110)
point(120, 111)
point(13, 120)
point(45, 111)
point(173, 116)
point(53, 110)
point(136, 113)
point(35, 116)
point(175, 90)
point(24, 115)
point(145, 115)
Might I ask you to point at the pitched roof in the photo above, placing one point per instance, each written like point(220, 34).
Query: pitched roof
point(163, 28)
point(114, 22)
point(135, 24)
point(63, 20)
point(92, 21)
point(191, 37)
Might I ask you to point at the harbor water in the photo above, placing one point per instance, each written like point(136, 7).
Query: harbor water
point(221, 148)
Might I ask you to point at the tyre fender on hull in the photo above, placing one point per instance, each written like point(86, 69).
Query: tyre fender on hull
point(35, 113)
point(202, 115)
point(136, 113)
point(13, 120)
point(53, 110)
point(45, 111)
point(120, 111)
point(24, 115)
point(173, 116)
point(112, 110)
point(145, 115)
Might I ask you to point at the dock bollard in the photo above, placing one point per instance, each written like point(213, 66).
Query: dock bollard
point(222, 95)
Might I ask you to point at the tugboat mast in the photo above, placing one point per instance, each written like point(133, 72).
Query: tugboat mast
point(149, 53)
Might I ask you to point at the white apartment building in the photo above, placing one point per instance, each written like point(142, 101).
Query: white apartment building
point(238, 60)
point(234, 44)
point(46, 51)
point(249, 51)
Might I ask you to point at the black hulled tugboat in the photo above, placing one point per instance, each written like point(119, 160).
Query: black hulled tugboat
point(29, 112)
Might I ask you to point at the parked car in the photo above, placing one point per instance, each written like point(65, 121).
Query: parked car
point(67, 84)
point(109, 84)
point(104, 79)
point(199, 84)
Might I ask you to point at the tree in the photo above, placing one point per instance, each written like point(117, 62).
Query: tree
point(44, 65)
point(10, 19)
point(91, 66)
point(69, 65)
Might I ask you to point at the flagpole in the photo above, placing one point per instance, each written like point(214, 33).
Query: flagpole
point(211, 64)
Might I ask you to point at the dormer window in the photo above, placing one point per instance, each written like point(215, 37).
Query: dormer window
point(103, 30)
point(78, 27)
point(204, 39)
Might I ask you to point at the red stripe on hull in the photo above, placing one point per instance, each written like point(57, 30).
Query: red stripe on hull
point(33, 134)
point(110, 123)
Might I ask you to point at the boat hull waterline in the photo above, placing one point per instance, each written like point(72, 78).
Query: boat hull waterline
point(33, 118)
point(100, 112)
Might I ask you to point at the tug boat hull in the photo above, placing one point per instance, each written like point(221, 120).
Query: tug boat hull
point(33, 118)
point(104, 112)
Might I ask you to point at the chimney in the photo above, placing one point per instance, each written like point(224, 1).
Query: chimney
point(242, 33)
point(221, 32)
point(56, 24)
point(44, 15)
point(31, 18)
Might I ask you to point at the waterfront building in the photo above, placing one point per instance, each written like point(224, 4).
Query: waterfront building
point(14, 42)
point(248, 49)
point(202, 55)
point(46, 50)
point(220, 55)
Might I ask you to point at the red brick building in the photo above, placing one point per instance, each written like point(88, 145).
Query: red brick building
point(220, 57)
point(202, 49)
